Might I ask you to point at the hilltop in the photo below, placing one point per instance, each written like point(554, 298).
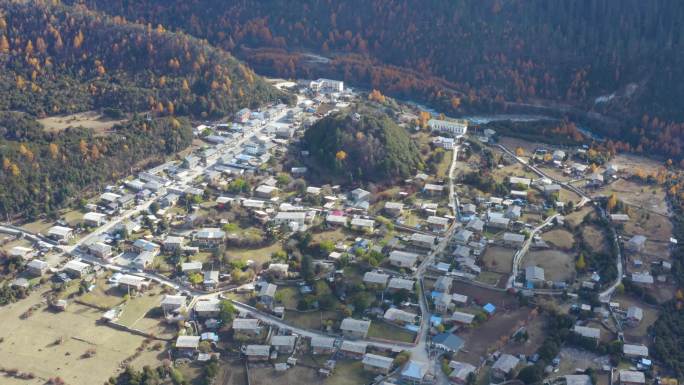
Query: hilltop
point(361, 145)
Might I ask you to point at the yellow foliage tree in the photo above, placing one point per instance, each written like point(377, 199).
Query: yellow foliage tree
point(519, 151)
point(581, 264)
point(54, 150)
point(341, 155)
point(4, 44)
point(612, 202)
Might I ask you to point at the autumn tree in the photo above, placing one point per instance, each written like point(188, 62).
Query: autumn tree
point(612, 202)
point(519, 151)
point(581, 264)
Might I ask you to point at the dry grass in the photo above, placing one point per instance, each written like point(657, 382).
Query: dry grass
point(562, 239)
point(595, 238)
point(29, 345)
point(498, 259)
point(558, 265)
point(651, 198)
point(90, 119)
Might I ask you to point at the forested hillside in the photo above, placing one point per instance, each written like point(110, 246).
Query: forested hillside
point(467, 56)
point(365, 147)
point(59, 59)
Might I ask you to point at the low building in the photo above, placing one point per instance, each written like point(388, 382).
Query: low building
point(360, 224)
point(100, 250)
point(278, 269)
point(211, 279)
point(191, 267)
point(443, 284)
point(37, 267)
point(400, 317)
point(375, 279)
point(336, 220)
point(353, 349)
point(635, 351)
point(21, 252)
point(438, 224)
point(414, 372)
point(322, 345)
point(631, 377)
point(534, 275)
point(267, 295)
point(393, 209)
point(208, 238)
point(403, 259)
point(355, 329)
point(460, 371)
point(520, 182)
point(513, 240)
point(456, 128)
point(422, 240)
point(504, 366)
point(76, 269)
point(283, 344)
point(94, 219)
point(588, 332)
point(187, 345)
point(396, 284)
point(207, 308)
point(173, 303)
point(360, 195)
point(462, 318)
point(462, 237)
point(636, 244)
point(144, 260)
point(246, 328)
point(257, 352)
point(266, 192)
point(448, 342)
point(634, 316)
point(433, 189)
point(443, 302)
point(61, 234)
point(173, 243)
point(131, 282)
point(377, 364)
point(287, 217)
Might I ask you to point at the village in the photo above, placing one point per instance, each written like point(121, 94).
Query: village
point(232, 255)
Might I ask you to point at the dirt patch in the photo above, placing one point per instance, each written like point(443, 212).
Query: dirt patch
point(498, 259)
point(656, 228)
point(558, 265)
point(481, 295)
point(651, 198)
point(572, 359)
point(90, 119)
point(561, 239)
point(492, 335)
point(535, 330)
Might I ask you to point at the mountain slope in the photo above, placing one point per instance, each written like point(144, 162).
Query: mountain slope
point(467, 56)
point(60, 59)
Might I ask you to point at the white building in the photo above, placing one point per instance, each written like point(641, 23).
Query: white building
point(457, 128)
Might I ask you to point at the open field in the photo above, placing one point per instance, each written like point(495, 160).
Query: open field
point(631, 162)
point(514, 169)
point(481, 296)
point(651, 198)
point(594, 238)
point(103, 296)
point(558, 265)
point(136, 308)
point(559, 238)
point(265, 374)
point(655, 227)
point(386, 331)
point(498, 259)
point(576, 217)
point(535, 330)
point(311, 319)
point(491, 335)
point(638, 334)
point(51, 344)
point(572, 359)
point(335, 236)
point(348, 372)
point(259, 256)
point(90, 119)
point(232, 373)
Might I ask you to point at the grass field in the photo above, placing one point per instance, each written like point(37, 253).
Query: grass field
point(290, 296)
point(311, 320)
point(259, 256)
point(102, 296)
point(137, 307)
point(443, 166)
point(386, 331)
point(51, 344)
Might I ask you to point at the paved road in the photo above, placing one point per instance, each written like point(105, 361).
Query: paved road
point(517, 258)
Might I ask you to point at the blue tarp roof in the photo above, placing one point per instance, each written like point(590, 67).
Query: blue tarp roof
point(413, 328)
point(435, 320)
point(489, 308)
